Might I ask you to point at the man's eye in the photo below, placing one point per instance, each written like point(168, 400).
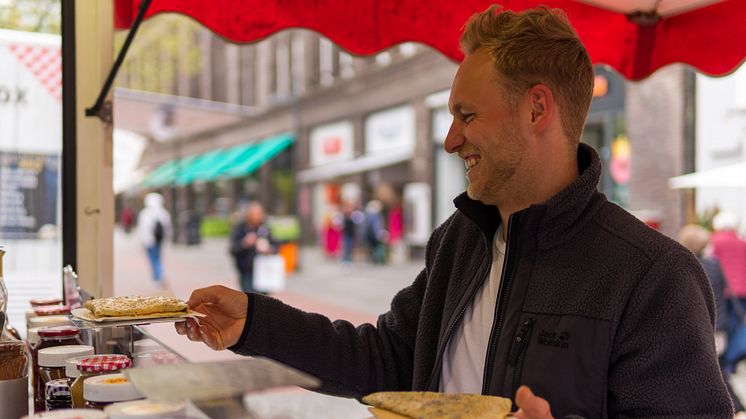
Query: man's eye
point(467, 117)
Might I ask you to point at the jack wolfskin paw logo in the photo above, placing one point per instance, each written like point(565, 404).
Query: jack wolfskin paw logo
point(558, 340)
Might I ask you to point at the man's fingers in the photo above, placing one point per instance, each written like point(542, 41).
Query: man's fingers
point(211, 337)
point(205, 296)
point(180, 327)
point(530, 405)
point(192, 331)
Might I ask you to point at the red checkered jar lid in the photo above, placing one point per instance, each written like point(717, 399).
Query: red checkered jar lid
point(104, 363)
point(51, 310)
point(58, 331)
point(36, 302)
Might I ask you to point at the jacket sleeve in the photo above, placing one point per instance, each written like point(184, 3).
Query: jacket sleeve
point(350, 361)
point(663, 362)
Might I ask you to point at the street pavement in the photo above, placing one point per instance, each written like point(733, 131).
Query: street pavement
point(357, 293)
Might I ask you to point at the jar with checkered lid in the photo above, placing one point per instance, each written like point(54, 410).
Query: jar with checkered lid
point(49, 337)
point(57, 394)
point(93, 366)
point(52, 365)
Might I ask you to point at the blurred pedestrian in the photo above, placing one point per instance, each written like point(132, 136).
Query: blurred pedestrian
point(396, 232)
point(331, 232)
point(351, 219)
point(730, 251)
point(249, 238)
point(127, 218)
point(189, 224)
point(153, 227)
point(376, 235)
point(696, 238)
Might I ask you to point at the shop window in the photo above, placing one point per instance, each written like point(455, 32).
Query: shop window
point(30, 156)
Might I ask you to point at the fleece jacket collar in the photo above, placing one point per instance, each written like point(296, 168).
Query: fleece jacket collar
point(559, 217)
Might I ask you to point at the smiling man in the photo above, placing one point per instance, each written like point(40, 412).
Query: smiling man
point(536, 288)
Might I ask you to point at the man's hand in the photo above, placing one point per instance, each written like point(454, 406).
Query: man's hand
point(531, 406)
point(226, 315)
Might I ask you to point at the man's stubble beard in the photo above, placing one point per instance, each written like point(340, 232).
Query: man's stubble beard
point(498, 182)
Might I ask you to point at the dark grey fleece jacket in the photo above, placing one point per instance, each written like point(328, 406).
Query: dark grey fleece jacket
point(597, 313)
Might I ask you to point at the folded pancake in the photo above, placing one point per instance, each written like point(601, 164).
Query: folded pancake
point(385, 414)
point(431, 405)
point(135, 305)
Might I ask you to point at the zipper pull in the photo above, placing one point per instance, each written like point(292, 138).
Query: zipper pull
point(520, 341)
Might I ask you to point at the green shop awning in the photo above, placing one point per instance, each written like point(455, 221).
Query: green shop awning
point(230, 163)
point(244, 159)
point(154, 177)
point(201, 167)
point(231, 157)
point(167, 173)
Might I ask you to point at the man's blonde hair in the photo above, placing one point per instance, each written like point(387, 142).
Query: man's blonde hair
point(536, 46)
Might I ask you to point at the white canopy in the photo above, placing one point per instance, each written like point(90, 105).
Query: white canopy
point(732, 176)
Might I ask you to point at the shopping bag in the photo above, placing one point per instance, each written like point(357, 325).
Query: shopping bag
point(269, 273)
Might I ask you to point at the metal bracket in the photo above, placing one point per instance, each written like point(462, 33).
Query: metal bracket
point(102, 107)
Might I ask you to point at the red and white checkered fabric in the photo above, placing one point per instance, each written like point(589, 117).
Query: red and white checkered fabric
point(104, 363)
point(45, 63)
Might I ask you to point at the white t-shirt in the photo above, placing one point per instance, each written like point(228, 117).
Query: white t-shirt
point(463, 364)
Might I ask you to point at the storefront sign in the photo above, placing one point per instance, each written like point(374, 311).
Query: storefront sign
point(13, 95)
point(392, 129)
point(332, 143)
point(28, 194)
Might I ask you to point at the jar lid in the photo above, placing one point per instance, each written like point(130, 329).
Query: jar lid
point(71, 365)
point(57, 388)
point(43, 321)
point(109, 388)
point(51, 310)
point(104, 363)
point(69, 414)
point(58, 331)
point(145, 409)
point(57, 355)
point(49, 301)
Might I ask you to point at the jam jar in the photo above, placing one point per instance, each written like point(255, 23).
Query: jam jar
point(49, 337)
point(52, 362)
point(57, 310)
point(104, 390)
point(57, 394)
point(94, 366)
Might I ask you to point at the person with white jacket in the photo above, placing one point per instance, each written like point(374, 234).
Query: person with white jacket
point(153, 227)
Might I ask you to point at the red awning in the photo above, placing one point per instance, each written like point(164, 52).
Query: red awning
point(709, 35)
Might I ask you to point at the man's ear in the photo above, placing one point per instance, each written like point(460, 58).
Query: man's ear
point(541, 105)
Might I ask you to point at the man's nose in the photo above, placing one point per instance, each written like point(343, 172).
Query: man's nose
point(454, 138)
